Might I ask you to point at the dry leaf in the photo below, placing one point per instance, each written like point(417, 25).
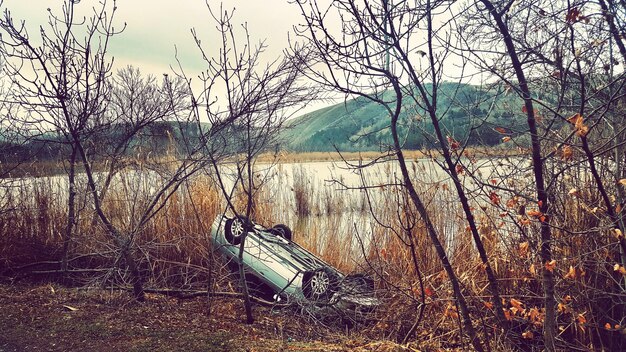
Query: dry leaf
point(575, 119)
point(523, 249)
point(551, 265)
point(566, 152)
point(495, 198)
point(454, 145)
point(533, 314)
point(506, 139)
point(507, 315)
point(528, 335)
point(517, 304)
point(622, 182)
point(571, 273)
point(578, 121)
point(70, 308)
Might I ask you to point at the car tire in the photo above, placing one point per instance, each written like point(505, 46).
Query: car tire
point(282, 230)
point(234, 229)
point(319, 284)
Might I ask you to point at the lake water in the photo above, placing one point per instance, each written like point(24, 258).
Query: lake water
point(334, 198)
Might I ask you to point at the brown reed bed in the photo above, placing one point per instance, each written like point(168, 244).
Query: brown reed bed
point(174, 250)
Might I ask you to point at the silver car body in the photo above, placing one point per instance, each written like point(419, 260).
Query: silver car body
point(287, 268)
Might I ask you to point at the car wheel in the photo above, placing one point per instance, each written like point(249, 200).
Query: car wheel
point(234, 229)
point(319, 285)
point(283, 230)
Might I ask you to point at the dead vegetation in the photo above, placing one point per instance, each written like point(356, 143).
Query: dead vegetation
point(418, 306)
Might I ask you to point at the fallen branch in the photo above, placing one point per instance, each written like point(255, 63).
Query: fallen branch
point(185, 294)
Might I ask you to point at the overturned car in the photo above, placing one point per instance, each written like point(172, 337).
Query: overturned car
point(290, 271)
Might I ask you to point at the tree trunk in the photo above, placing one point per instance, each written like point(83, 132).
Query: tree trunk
point(244, 284)
point(549, 326)
point(430, 227)
point(71, 212)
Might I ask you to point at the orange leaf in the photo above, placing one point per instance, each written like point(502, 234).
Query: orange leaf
point(534, 314)
point(523, 248)
point(428, 291)
point(581, 319)
point(524, 110)
point(575, 119)
point(622, 182)
point(511, 203)
point(454, 145)
point(500, 130)
point(528, 335)
point(578, 121)
point(551, 265)
point(451, 312)
point(506, 139)
point(507, 315)
point(495, 198)
point(534, 213)
point(607, 326)
point(566, 152)
point(582, 130)
point(517, 304)
point(489, 305)
point(532, 269)
point(571, 273)
point(459, 169)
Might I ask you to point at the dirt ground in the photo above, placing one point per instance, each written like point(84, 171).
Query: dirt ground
point(47, 317)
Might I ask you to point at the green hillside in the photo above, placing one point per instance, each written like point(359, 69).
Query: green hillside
point(466, 112)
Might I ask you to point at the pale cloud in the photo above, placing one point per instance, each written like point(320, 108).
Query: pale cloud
point(155, 28)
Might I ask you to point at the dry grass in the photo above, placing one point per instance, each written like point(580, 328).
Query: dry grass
point(175, 249)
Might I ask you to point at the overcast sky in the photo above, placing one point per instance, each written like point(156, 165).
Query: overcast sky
point(155, 27)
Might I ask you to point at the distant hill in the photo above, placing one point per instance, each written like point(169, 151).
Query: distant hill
point(360, 124)
point(158, 138)
point(467, 113)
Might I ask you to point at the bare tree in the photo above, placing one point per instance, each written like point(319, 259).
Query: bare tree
point(59, 79)
point(253, 99)
point(393, 53)
point(558, 59)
